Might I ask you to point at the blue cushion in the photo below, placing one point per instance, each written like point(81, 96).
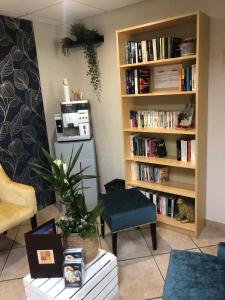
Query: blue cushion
point(194, 276)
point(128, 208)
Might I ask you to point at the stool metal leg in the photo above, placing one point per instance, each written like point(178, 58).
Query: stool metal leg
point(114, 243)
point(102, 227)
point(153, 233)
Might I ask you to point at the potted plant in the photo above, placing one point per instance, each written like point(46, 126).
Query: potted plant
point(88, 40)
point(77, 226)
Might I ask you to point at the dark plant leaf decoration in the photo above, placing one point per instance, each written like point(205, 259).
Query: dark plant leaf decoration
point(88, 40)
point(22, 122)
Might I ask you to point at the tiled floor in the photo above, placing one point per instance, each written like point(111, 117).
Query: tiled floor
point(141, 270)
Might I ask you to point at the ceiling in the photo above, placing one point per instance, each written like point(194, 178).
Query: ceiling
point(56, 12)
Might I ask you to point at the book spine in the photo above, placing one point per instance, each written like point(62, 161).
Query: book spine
point(189, 150)
point(178, 149)
point(183, 150)
point(194, 77)
point(158, 48)
point(193, 150)
point(136, 81)
point(139, 52)
point(154, 49)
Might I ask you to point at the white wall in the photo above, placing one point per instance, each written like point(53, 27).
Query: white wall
point(106, 115)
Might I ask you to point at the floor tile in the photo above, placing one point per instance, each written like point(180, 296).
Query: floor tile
point(19, 241)
point(47, 213)
point(139, 279)
point(210, 236)
point(6, 241)
point(130, 244)
point(3, 257)
point(12, 289)
point(167, 240)
point(162, 261)
point(210, 250)
point(16, 265)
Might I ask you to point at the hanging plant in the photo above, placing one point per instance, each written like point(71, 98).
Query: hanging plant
point(88, 40)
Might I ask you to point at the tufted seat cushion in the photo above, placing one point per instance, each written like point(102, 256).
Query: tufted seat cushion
point(125, 209)
point(194, 276)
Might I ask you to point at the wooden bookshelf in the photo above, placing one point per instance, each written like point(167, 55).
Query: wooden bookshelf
point(188, 178)
point(161, 93)
point(168, 61)
point(165, 161)
point(161, 131)
point(174, 188)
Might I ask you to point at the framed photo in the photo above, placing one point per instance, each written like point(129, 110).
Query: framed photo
point(44, 251)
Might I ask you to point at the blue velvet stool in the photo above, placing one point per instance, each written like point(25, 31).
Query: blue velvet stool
point(126, 209)
point(195, 276)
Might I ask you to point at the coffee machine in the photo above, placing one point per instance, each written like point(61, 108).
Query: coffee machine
point(74, 121)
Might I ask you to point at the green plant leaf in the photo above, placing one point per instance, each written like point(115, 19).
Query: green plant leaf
point(74, 160)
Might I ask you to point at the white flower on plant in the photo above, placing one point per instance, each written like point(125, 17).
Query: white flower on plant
point(59, 163)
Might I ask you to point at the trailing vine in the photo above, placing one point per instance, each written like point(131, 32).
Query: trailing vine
point(88, 40)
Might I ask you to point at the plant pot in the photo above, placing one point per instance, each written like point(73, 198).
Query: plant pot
point(90, 245)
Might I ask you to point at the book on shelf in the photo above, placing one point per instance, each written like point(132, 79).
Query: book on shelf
point(186, 149)
point(165, 204)
point(145, 146)
point(149, 173)
point(154, 119)
point(187, 78)
point(152, 50)
point(137, 81)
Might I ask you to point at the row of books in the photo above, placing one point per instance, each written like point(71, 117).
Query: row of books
point(187, 78)
point(137, 81)
point(144, 146)
point(154, 119)
point(186, 149)
point(165, 204)
point(148, 172)
point(152, 50)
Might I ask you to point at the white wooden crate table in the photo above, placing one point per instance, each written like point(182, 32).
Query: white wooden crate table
point(100, 282)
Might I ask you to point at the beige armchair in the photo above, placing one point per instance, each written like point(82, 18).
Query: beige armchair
point(17, 203)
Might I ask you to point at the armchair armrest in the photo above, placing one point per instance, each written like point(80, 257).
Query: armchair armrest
point(221, 251)
point(16, 193)
point(20, 194)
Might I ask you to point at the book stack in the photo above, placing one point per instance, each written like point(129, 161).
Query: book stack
point(186, 149)
point(165, 204)
point(149, 173)
point(137, 81)
point(187, 78)
point(143, 146)
point(152, 50)
point(154, 119)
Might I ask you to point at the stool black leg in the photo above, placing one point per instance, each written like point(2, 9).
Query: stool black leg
point(114, 243)
point(153, 233)
point(102, 227)
point(33, 221)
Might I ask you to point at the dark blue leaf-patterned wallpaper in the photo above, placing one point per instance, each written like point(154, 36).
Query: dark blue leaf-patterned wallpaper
point(22, 120)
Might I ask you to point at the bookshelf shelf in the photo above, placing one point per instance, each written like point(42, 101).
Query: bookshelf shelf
point(161, 131)
point(160, 62)
point(156, 41)
point(173, 222)
point(175, 188)
point(166, 161)
point(161, 93)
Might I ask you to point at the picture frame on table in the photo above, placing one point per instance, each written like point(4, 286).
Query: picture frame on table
point(44, 251)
